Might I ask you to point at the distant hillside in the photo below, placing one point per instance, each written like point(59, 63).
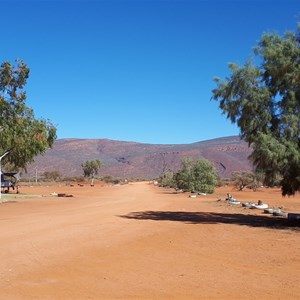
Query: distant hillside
point(138, 160)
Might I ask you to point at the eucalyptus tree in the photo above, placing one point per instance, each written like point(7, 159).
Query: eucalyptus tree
point(264, 100)
point(21, 133)
point(91, 167)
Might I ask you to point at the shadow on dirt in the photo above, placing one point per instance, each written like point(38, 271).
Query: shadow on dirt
point(215, 218)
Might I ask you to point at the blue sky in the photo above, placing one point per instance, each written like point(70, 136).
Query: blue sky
point(135, 70)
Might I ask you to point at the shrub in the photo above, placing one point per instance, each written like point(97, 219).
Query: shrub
point(199, 176)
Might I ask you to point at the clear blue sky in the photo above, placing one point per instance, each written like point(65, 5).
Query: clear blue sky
point(135, 70)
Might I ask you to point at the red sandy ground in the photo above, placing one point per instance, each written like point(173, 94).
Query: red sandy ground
point(139, 241)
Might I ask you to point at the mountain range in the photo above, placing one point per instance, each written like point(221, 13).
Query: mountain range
point(139, 160)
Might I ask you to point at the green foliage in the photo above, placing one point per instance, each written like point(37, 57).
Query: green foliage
point(199, 176)
point(91, 167)
point(264, 101)
point(23, 135)
point(167, 180)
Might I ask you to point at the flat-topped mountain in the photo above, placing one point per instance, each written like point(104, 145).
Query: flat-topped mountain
point(138, 160)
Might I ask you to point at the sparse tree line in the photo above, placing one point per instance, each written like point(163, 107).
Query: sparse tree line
point(251, 180)
point(264, 101)
point(56, 176)
point(200, 176)
point(194, 176)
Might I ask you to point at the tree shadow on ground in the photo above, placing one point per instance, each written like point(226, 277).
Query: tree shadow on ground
point(215, 218)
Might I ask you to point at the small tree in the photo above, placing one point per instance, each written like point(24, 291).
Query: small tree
point(242, 179)
point(184, 177)
point(91, 168)
point(199, 176)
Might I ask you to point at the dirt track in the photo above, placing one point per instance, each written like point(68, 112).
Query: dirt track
point(141, 242)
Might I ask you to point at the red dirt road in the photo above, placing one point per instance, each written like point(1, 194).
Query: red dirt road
point(138, 241)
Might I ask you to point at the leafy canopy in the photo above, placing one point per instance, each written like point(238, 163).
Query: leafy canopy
point(20, 132)
point(264, 101)
point(91, 167)
point(167, 179)
point(199, 176)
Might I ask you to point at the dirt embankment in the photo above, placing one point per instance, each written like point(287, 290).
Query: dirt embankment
point(138, 241)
